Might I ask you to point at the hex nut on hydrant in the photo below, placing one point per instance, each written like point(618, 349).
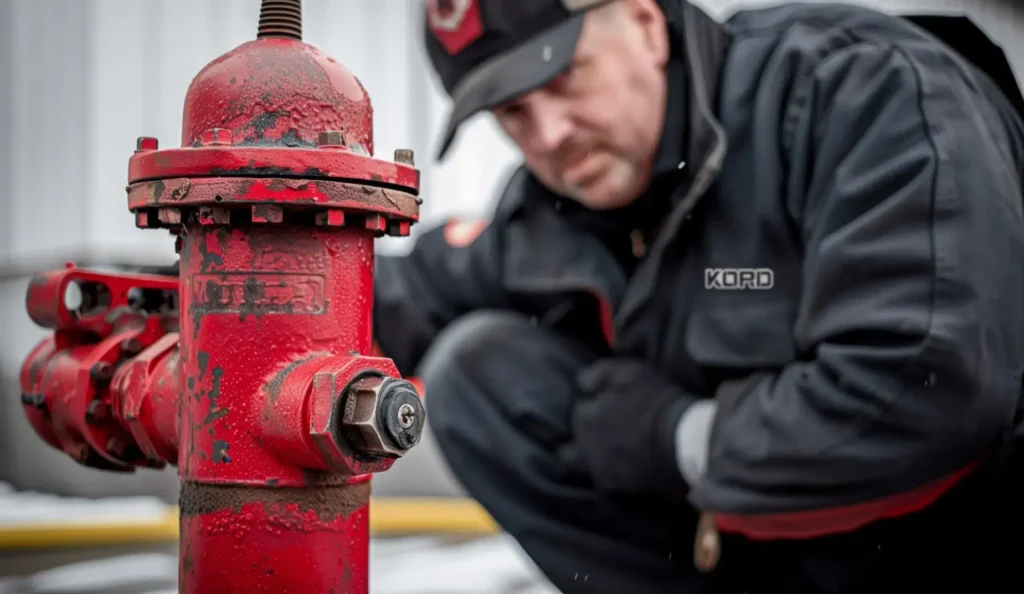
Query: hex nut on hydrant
point(405, 157)
point(329, 138)
point(382, 416)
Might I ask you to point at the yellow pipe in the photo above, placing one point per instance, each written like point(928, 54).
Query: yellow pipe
point(388, 516)
point(405, 515)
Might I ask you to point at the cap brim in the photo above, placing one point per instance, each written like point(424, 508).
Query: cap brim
point(519, 70)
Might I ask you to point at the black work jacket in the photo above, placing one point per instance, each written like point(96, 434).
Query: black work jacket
point(877, 175)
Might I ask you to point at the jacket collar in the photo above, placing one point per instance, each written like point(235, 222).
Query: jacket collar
point(705, 43)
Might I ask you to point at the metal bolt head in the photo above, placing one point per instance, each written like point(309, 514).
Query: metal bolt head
point(130, 347)
point(401, 413)
point(406, 416)
point(404, 156)
point(136, 300)
point(116, 447)
point(324, 418)
point(101, 373)
point(36, 401)
point(97, 411)
point(341, 407)
point(331, 138)
point(146, 143)
point(216, 137)
point(382, 416)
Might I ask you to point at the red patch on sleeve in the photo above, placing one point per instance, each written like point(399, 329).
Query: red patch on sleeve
point(459, 233)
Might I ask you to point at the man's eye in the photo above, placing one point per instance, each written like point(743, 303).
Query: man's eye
point(509, 110)
point(566, 77)
point(563, 77)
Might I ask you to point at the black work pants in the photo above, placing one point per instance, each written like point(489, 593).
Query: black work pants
point(499, 392)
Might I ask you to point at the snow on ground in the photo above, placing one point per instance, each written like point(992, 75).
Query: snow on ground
point(492, 565)
point(32, 508)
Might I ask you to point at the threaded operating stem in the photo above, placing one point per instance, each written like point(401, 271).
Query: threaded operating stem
point(281, 18)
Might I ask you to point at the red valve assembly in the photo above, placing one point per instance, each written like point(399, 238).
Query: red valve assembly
point(251, 372)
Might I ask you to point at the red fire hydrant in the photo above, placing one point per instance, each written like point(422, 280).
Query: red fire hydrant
point(250, 372)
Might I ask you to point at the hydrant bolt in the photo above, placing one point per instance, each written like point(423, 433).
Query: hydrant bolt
point(406, 416)
point(130, 347)
point(383, 416)
point(136, 298)
point(331, 138)
point(146, 143)
point(97, 411)
point(402, 413)
point(100, 373)
point(404, 156)
point(216, 137)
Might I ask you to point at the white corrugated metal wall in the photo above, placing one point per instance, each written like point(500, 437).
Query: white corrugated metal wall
point(81, 79)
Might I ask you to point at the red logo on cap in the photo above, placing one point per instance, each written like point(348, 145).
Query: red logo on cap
point(455, 23)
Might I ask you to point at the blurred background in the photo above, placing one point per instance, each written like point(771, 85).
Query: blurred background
point(80, 80)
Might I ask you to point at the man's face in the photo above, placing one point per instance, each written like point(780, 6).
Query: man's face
point(592, 133)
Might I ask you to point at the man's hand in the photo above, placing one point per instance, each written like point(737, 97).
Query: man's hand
point(624, 428)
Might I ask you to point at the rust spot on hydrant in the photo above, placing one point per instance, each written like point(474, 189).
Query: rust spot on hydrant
point(328, 503)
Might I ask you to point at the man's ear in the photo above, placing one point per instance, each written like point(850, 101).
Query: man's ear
point(652, 27)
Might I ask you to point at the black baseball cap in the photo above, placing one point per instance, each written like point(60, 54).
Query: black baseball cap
point(489, 51)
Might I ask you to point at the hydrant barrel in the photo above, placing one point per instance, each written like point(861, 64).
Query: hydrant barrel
point(259, 298)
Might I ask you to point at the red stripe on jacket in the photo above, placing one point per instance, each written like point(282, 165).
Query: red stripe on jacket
point(816, 523)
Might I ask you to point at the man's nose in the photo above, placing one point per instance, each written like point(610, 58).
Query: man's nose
point(551, 127)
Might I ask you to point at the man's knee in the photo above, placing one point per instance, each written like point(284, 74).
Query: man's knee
point(449, 367)
point(497, 365)
point(464, 342)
